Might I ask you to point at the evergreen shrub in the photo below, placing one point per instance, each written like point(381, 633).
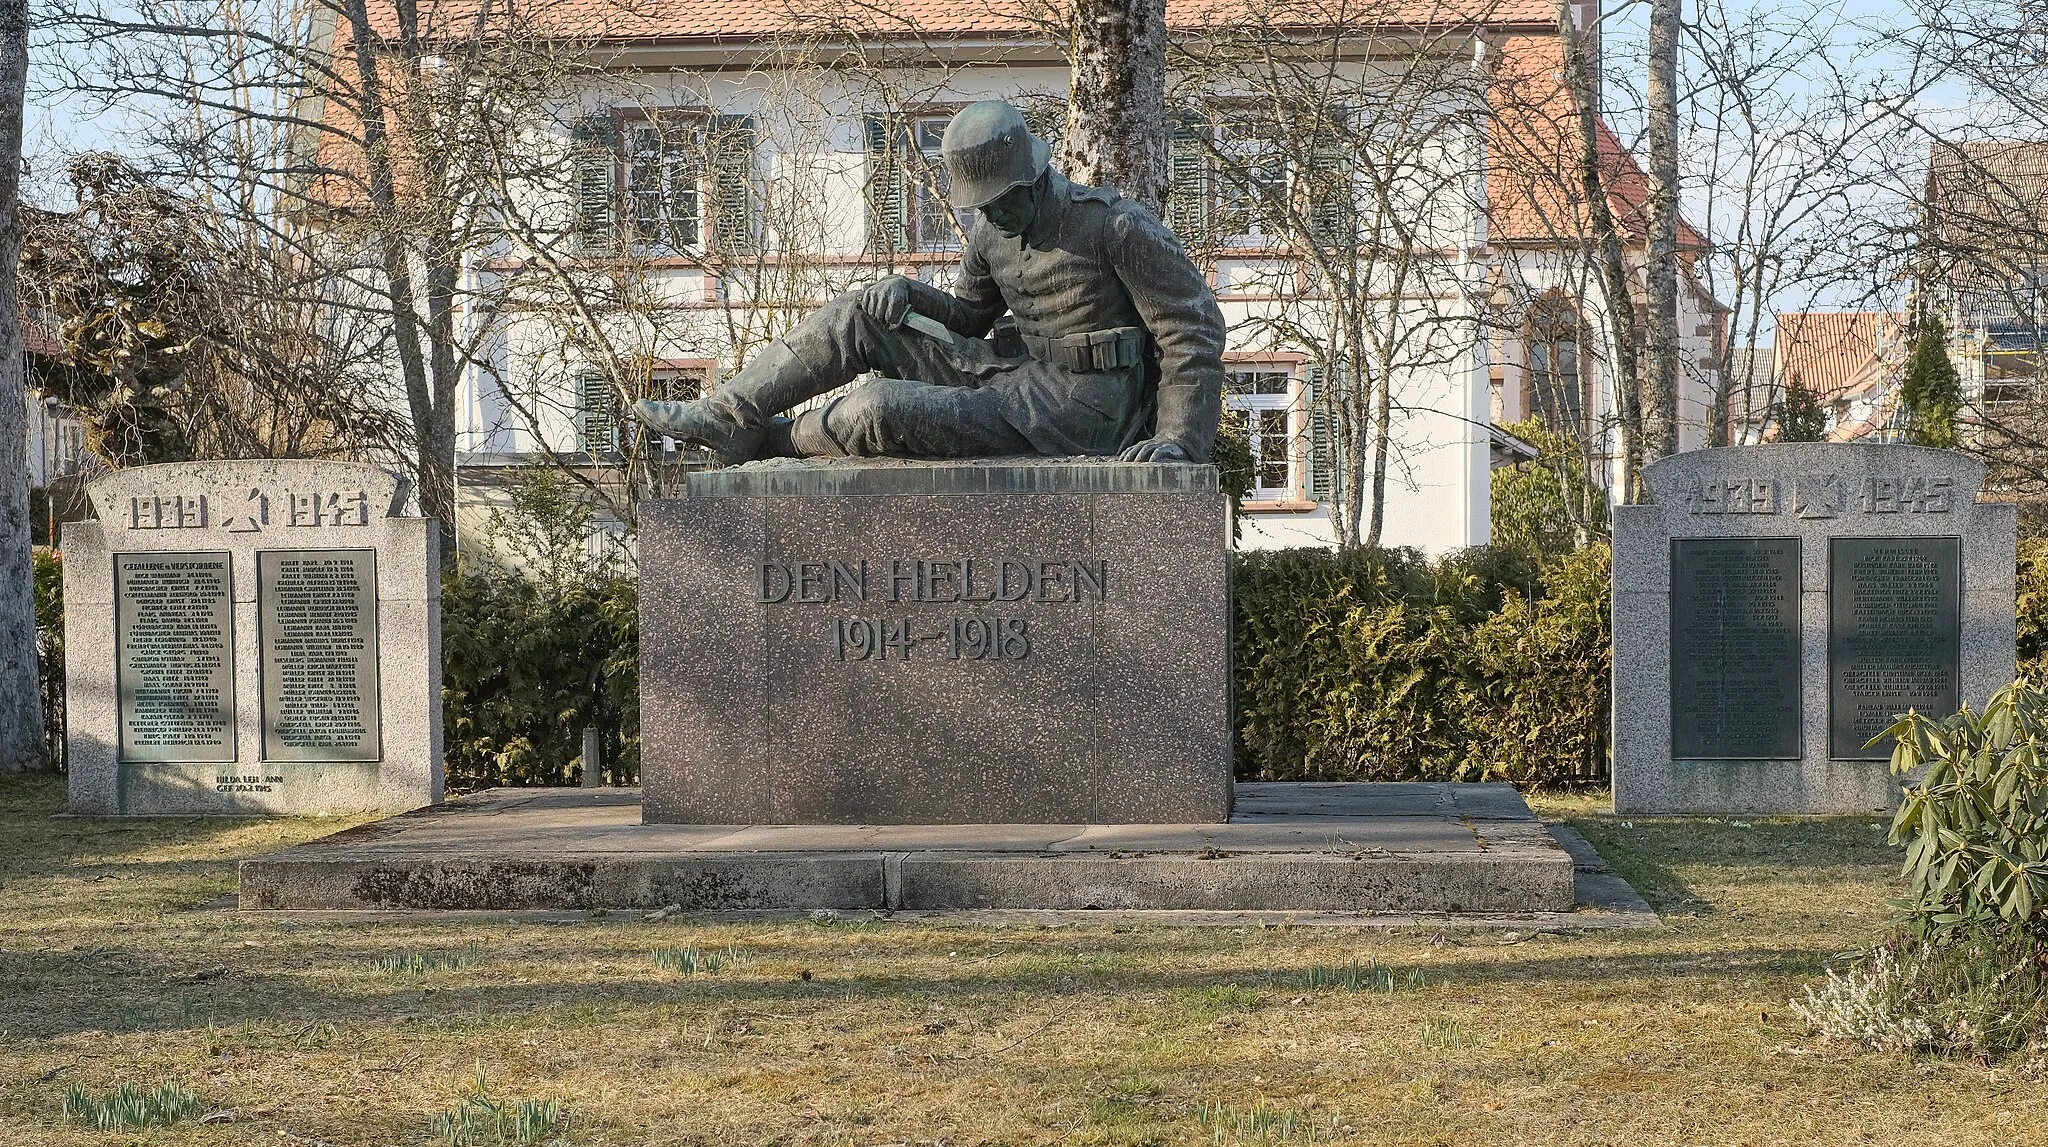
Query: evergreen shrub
point(1965, 970)
point(539, 638)
point(1380, 665)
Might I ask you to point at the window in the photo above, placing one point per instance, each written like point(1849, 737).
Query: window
point(664, 169)
point(665, 183)
point(1555, 386)
point(906, 186)
point(936, 226)
point(678, 384)
point(1264, 397)
point(1251, 180)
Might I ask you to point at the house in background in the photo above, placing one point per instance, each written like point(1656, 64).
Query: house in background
point(57, 459)
point(1850, 361)
point(1982, 267)
point(734, 192)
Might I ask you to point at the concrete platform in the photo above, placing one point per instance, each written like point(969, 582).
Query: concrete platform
point(1317, 848)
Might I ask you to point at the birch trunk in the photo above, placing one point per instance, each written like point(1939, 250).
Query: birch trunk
point(1116, 106)
point(1614, 285)
point(1660, 382)
point(21, 711)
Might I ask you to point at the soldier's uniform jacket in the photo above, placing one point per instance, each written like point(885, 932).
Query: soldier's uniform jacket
point(1093, 262)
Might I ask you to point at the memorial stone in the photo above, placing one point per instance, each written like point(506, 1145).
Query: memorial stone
point(936, 643)
point(1778, 606)
point(252, 637)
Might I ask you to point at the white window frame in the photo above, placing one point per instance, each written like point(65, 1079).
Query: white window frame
point(688, 134)
point(1241, 135)
point(1255, 405)
point(930, 229)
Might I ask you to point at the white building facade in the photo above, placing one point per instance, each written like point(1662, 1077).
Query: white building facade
point(711, 191)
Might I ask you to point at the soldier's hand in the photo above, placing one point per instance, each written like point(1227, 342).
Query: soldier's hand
point(1155, 450)
point(887, 299)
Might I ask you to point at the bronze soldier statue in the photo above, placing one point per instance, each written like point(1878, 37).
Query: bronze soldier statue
point(1122, 341)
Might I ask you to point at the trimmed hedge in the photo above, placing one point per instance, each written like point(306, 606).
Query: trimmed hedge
point(1379, 665)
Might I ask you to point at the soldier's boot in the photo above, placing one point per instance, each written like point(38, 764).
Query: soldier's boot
point(810, 438)
point(734, 420)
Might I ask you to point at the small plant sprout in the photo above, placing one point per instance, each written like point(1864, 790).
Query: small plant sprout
point(1368, 977)
point(693, 960)
point(413, 962)
point(1259, 1123)
point(1447, 1035)
point(481, 1120)
point(129, 1106)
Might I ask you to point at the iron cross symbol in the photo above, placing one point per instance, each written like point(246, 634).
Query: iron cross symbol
point(1819, 496)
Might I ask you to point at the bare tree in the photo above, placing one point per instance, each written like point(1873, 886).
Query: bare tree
point(21, 716)
point(1581, 81)
point(1660, 382)
point(1340, 169)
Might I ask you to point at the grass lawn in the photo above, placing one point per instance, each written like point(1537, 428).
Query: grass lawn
point(118, 965)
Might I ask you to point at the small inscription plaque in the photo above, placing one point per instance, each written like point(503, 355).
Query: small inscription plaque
point(1734, 648)
point(1894, 636)
point(174, 642)
point(317, 617)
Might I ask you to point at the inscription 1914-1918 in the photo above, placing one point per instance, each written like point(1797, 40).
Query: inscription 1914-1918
point(1894, 636)
point(1735, 648)
point(174, 637)
point(1015, 582)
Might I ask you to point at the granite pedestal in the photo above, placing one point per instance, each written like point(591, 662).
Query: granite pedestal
point(1032, 642)
point(1342, 848)
point(1778, 606)
point(252, 637)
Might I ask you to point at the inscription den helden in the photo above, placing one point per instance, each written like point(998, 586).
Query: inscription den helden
point(928, 581)
point(1006, 581)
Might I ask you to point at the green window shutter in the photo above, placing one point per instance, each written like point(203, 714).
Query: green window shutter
point(888, 142)
point(1332, 191)
point(1324, 468)
point(733, 167)
point(1187, 196)
point(595, 151)
point(597, 424)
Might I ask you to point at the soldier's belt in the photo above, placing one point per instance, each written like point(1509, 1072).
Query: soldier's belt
point(1110, 349)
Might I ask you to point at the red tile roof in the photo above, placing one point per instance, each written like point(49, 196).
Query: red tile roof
point(1532, 174)
point(1838, 354)
point(734, 20)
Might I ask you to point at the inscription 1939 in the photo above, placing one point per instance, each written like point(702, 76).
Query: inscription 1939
point(1734, 648)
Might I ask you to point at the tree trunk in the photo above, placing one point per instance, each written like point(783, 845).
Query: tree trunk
point(1660, 382)
point(433, 421)
point(1116, 106)
point(1382, 428)
point(21, 711)
point(1621, 307)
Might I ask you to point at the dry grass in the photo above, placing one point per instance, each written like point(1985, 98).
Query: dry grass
point(116, 965)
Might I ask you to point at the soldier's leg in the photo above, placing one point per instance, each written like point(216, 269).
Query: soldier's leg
point(827, 350)
point(894, 417)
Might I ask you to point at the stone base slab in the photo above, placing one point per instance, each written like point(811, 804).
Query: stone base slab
point(1383, 848)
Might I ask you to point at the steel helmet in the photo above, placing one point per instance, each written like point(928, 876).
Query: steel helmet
point(989, 149)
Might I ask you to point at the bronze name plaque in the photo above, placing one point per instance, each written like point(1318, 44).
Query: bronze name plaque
point(1894, 637)
point(1735, 648)
point(174, 640)
point(317, 616)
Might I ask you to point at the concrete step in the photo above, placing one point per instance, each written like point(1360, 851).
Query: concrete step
point(1392, 848)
